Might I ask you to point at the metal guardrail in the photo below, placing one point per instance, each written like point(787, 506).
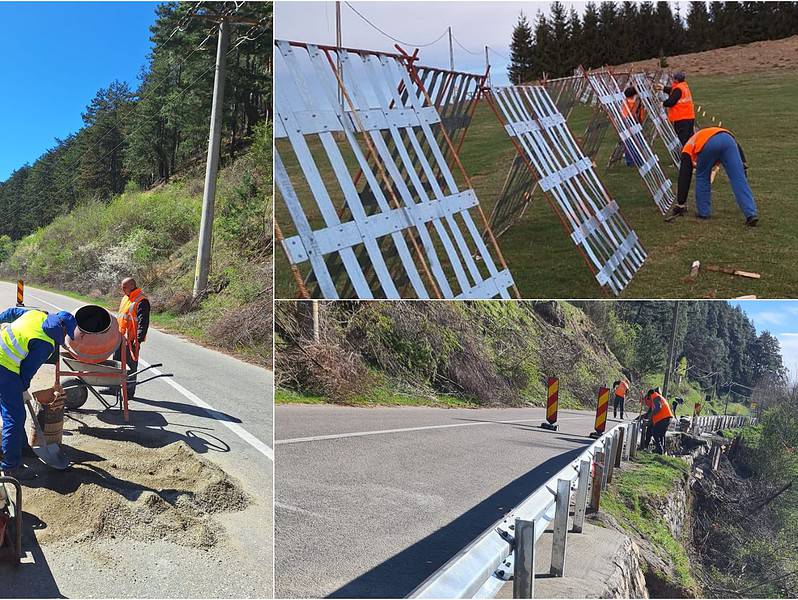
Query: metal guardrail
point(506, 550)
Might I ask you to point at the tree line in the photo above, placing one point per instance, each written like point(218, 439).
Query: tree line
point(143, 136)
point(611, 33)
point(718, 342)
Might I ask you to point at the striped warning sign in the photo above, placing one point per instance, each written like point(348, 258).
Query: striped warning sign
point(553, 385)
point(601, 409)
point(20, 293)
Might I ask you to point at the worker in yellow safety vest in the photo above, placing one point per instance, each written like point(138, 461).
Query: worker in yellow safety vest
point(134, 323)
point(27, 339)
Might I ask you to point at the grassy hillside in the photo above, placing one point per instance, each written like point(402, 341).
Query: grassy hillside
point(152, 235)
point(757, 107)
point(453, 354)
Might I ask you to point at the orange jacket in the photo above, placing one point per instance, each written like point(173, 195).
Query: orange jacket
point(621, 388)
point(683, 109)
point(628, 110)
point(660, 408)
point(696, 143)
point(128, 315)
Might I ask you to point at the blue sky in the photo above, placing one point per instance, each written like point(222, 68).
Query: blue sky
point(779, 317)
point(56, 55)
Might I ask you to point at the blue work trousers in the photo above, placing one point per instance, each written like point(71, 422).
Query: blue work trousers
point(12, 413)
point(722, 148)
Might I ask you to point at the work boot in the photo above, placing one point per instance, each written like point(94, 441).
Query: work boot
point(20, 473)
point(752, 220)
point(678, 209)
point(27, 451)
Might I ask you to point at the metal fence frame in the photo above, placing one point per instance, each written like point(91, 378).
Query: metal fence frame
point(457, 262)
point(630, 132)
point(656, 114)
point(542, 139)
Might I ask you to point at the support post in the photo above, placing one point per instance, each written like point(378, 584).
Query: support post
point(581, 496)
point(524, 560)
point(560, 535)
point(634, 439)
point(607, 454)
point(619, 453)
point(212, 165)
point(451, 51)
point(595, 486)
point(610, 460)
point(671, 348)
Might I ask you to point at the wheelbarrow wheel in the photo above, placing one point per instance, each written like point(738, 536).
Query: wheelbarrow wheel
point(76, 393)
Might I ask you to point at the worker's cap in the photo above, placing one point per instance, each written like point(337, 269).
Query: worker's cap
point(54, 326)
point(678, 76)
point(629, 92)
point(651, 392)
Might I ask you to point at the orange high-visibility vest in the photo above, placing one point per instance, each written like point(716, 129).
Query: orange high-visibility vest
point(128, 314)
point(697, 141)
point(683, 109)
point(664, 411)
point(628, 110)
point(621, 389)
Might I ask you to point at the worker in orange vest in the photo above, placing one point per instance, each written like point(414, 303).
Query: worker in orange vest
point(706, 148)
point(619, 388)
point(134, 323)
point(681, 112)
point(659, 415)
point(632, 109)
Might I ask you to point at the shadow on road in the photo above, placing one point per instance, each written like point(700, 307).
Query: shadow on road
point(403, 572)
point(147, 428)
point(33, 578)
point(189, 409)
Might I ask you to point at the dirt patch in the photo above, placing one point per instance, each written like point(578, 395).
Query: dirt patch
point(122, 490)
point(733, 60)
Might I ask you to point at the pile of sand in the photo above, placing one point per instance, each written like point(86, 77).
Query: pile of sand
point(122, 490)
point(746, 58)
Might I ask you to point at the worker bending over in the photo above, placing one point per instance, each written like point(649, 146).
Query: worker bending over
point(659, 415)
point(706, 148)
point(681, 112)
point(27, 339)
point(619, 388)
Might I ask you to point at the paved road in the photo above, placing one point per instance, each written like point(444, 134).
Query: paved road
point(370, 501)
point(222, 408)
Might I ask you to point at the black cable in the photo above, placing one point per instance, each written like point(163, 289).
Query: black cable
point(388, 35)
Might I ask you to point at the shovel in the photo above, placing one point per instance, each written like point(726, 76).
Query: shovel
point(50, 454)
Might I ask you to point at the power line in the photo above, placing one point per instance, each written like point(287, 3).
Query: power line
point(389, 36)
point(456, 41)
point(499, 54)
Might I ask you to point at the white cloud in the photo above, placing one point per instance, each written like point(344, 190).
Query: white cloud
point(789, 351)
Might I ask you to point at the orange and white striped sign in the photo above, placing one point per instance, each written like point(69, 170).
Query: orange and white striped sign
point(601, 409)
point(20, 293)
point(553, 385)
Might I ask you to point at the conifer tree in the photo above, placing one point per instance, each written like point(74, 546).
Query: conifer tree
point(520, 69)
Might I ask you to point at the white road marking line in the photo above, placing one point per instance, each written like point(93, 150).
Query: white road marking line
point(318, 438)
point(212, 412)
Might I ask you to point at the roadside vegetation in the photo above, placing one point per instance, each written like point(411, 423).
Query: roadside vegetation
point(123, 195)
point(500, 353)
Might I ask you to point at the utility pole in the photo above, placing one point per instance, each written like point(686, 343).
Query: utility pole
point(451, 51)
point(212, 165)
point(671, 349)
point(487, 65)
point(339, 43)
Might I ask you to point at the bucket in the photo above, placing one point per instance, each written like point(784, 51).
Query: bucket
point(96, 336)
point(51, 420)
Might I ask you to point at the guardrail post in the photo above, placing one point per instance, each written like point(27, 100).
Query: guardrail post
point(644, 425)
point(613, 443)
point(560, 534)
point(581, 496)
point(619, 453)
point(633, 440)
point(595, 485)
point(524, 560)
point(607, 454)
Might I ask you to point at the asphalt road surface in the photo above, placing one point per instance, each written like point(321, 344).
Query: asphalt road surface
point(371, 501)
point(222, 408)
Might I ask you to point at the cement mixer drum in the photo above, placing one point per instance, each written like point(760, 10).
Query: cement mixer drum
point(96, 336)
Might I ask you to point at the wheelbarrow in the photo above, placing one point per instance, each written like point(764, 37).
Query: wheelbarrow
point(10, 519)
point(84, 377)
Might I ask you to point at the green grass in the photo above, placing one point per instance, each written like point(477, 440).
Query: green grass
point(757, 107)
point(377, 396)
point(628, 500)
